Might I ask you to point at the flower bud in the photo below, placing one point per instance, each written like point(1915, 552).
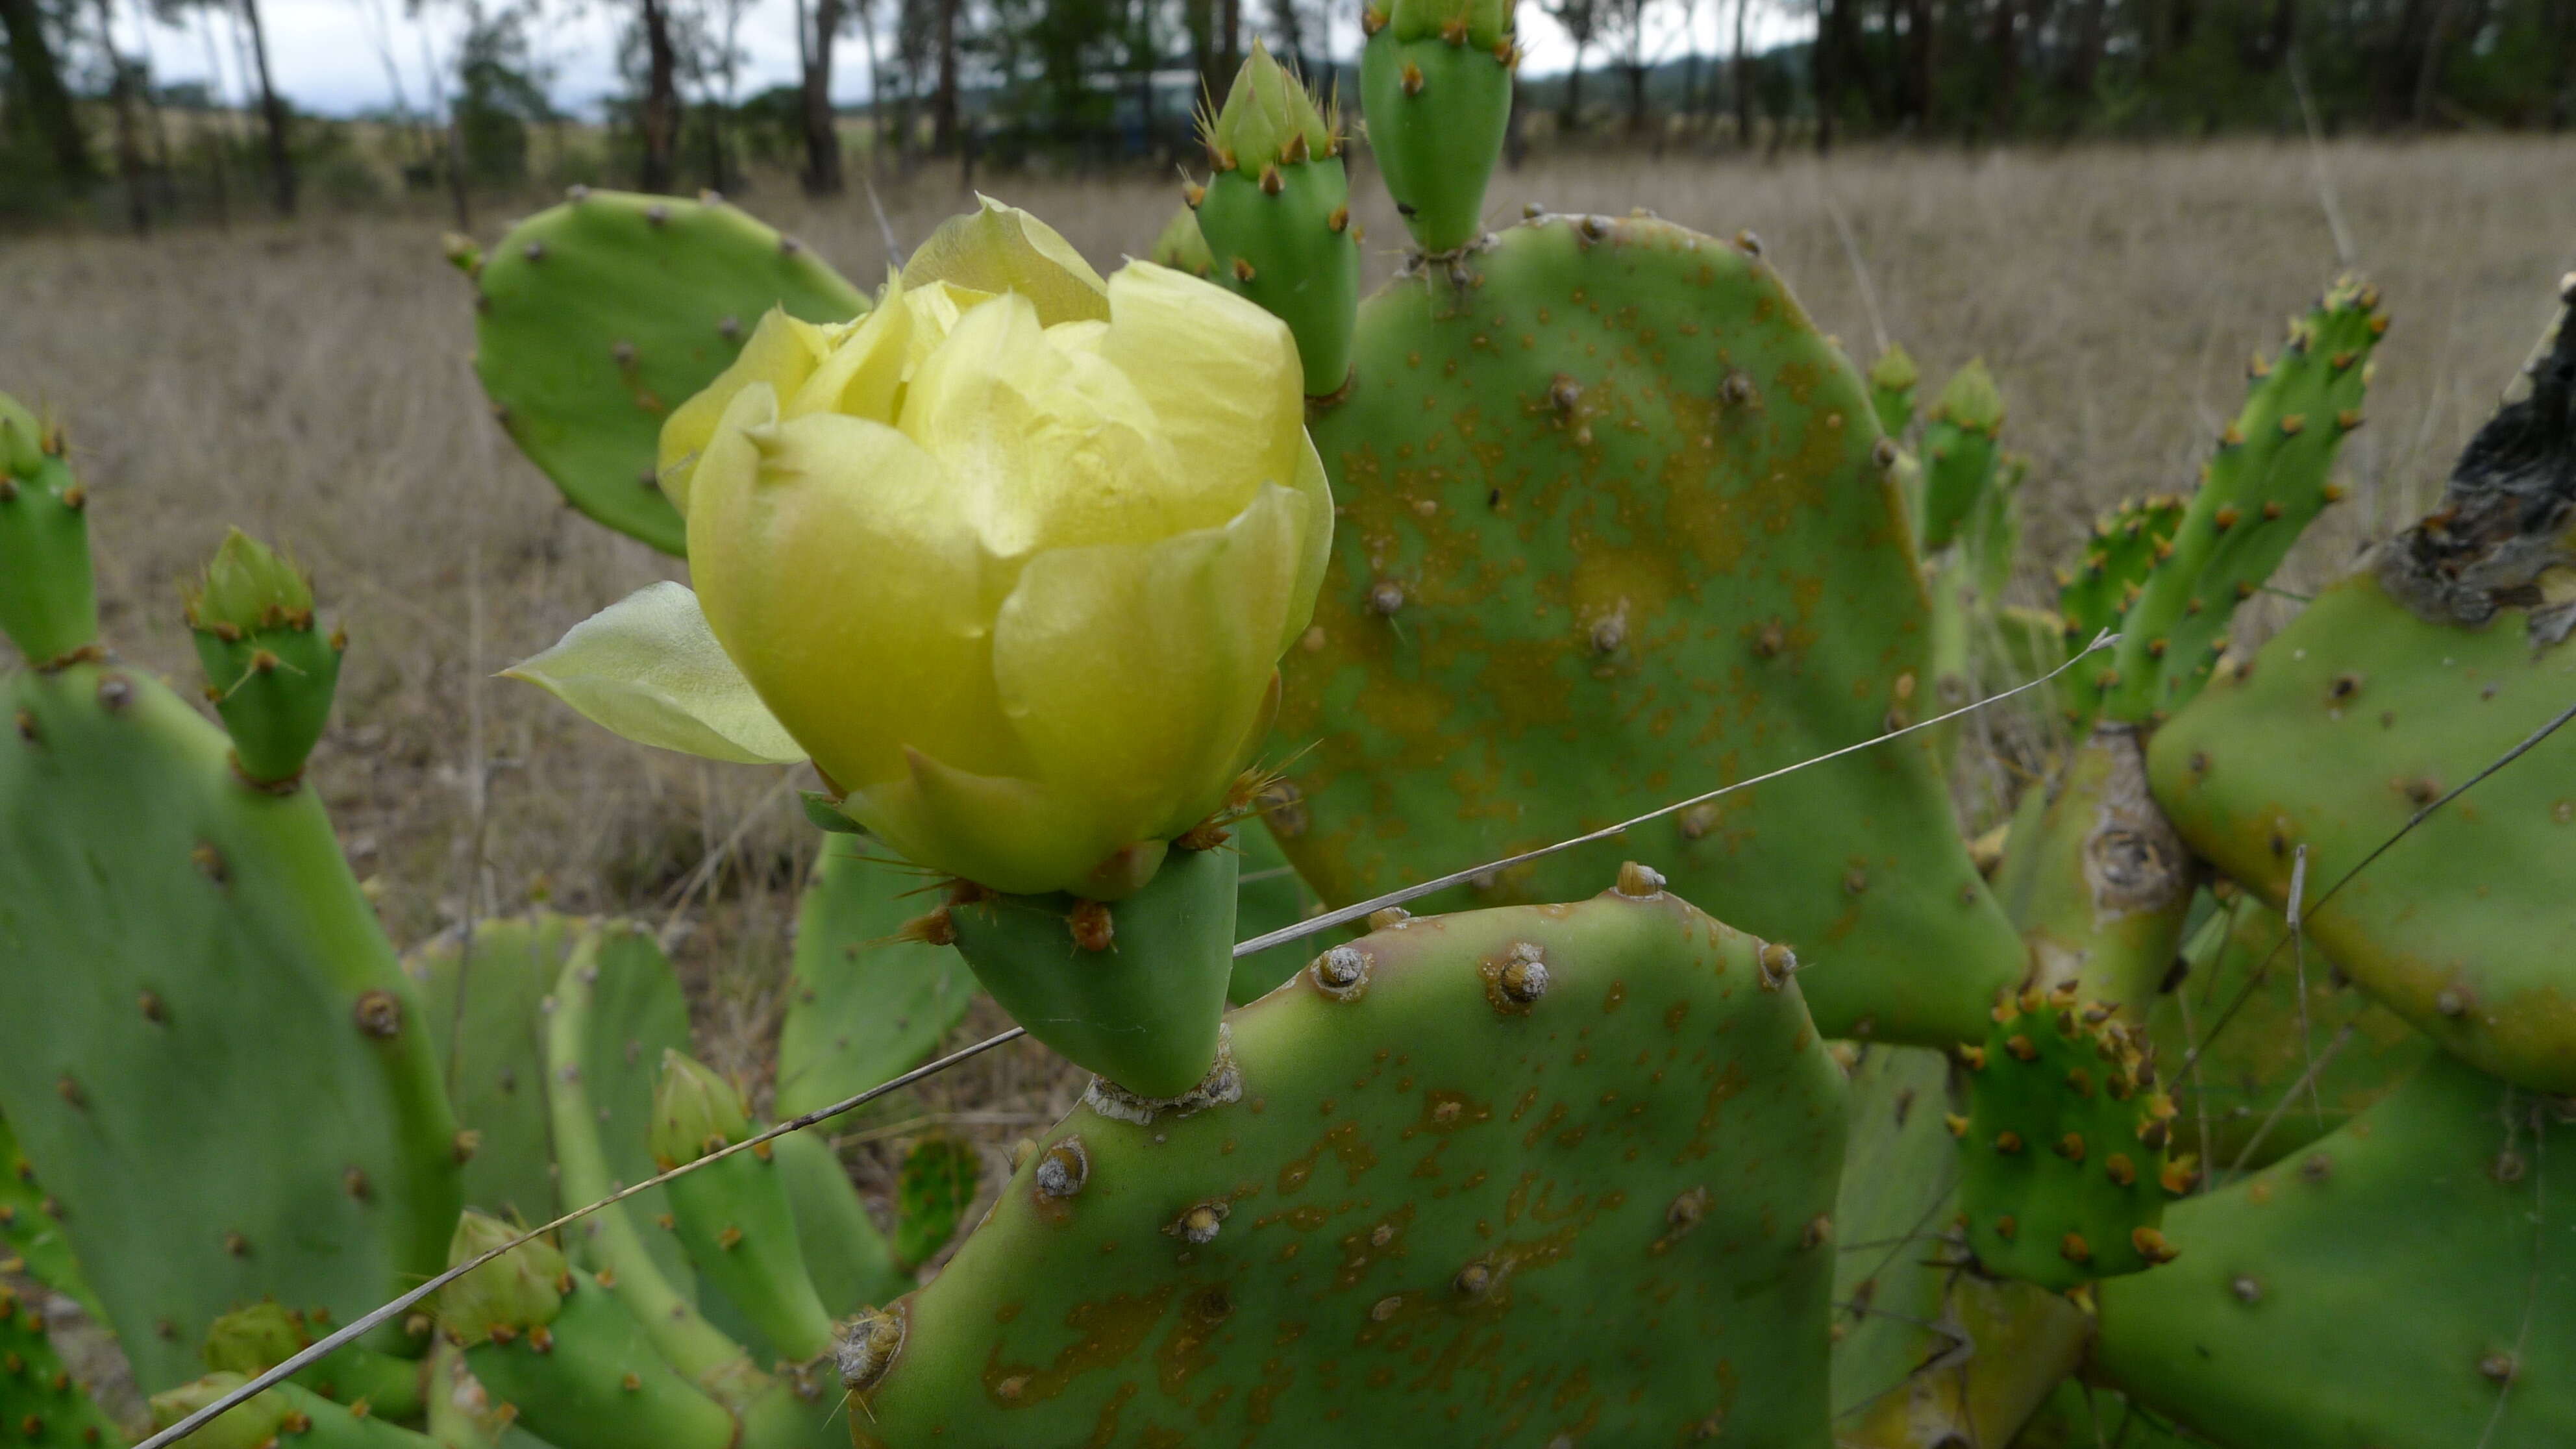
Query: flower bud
point(1267, 118)
point(252, 1340)
point(255, 1423)
point(695, 1111)
point(513, 1292)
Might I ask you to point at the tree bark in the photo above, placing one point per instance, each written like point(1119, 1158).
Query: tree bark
point(281, 162)
point(822, 128)
point(129, 137)
point(1569, 118)
point(1741, 77)
point(660, 119)
point(943, 105)
point(40, 86)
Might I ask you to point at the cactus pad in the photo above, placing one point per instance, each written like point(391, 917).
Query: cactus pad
point(1959, 453)
point(2091, 597)
point(48, 606)
point(2405, 1282)
point(2062, 1153)
point(269, 672)
point(2350, 720)
point(490, 1048)
point(862, 1005)
point(41, 1406)
point(1618, 528)
point(162, 1015)
point(932, 1193)
point(1275, 215)
point(1436, 79)
point(597, 317)
point(31, 1234)
point(1520, 1173)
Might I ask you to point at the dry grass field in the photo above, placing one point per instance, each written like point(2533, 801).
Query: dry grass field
point(312, 384)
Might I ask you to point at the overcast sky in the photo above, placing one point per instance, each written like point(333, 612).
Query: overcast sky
point(341, 57)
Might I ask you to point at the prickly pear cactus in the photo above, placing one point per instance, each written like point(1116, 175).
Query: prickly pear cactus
point(597, 317)
point(1618, 526)
point(1436, 77)
point(1269, 894)
point(154, 1017)
point(31, 1230)
point(41, 1405)
point(256, 1339)
point(2403, 1282)
point(1927, 1351)
point(2268, 479)
point(2238, 1004)
point(1182, 246)
point(2122, 550)
point(269, 673)
point(1276, 214)
point(483, 999)
point(1504, 1176)
point(1892, 379)
point(1960, 453)
point(733, 1215)
point(2063, 1173)
point(48, 607)
point(863, 1004)
point(932, 1193)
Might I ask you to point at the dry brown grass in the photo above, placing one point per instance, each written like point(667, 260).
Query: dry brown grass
point(312, 384)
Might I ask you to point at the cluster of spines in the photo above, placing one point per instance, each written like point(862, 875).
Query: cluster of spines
point(2065, 1163)
point(2266, 481)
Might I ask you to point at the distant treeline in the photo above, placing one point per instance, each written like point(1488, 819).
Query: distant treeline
point(1079, 83)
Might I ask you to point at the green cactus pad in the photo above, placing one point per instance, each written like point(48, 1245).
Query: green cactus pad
point(597, 317)
point(31, 1236)
point(2350, 720)
point(2240, 960)
point(1276, 215)
point(163, 1011)
point(269, 673)
point(1492, 1178)
point(850, 1262)
point(863, 1005)
point(1617, 528)
point(1924, 1348)
point(732, 1215)
point(41, 1406)
point(491, 1050)
point(1436, 79)
point(1138, 1002)
point(2088, 1416)
point(2264, 485)
point(932, 1193)
point(1959, 453)
point(2404, 1282)
point(2122, 550)
point(1182, 246)
point(1269, 895)
point(2062, 1174)
point(1892, 379)
point(48, 607)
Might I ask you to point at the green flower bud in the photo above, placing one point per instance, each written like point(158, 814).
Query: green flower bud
point(695, 1112)
point(248, 588)
point(1269, 119)
point(1971, 400)
point(519, 1290)
point(255, 1339)
point(1895, 370)
point(247, 1426)
point(1182, 246)
point(1484, 24)
point(22, 438)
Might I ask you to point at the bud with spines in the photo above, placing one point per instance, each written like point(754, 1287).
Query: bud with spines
point(1436, 78)
point(269, 671)
point(256, 1339)
point(1275, 216)
point(733, 1215)
point(548, 1340)
point(1959, 454)
point(1182, 246)
point(47, 604)
point(1891, 390)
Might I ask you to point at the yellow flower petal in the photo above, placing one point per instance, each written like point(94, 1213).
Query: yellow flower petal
point(1134, 672)
point(782, 353)
point(1005, 833)
point(1220, 373)
point(1001, 248)
point(839, 570)
point(648, 668)
point(864, 374)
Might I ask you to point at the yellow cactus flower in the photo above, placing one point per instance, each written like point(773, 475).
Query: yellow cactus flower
point(1014, 567)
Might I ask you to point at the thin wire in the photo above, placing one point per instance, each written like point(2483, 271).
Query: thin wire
point(1327, 921)
point(2299, 949)
point(2307, 1082)
point(368, 1322)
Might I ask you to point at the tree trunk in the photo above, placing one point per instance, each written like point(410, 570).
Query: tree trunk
point(1918, 89)
point(129, 138)
point(822, 128)
point(1229, 34)
point(40, 86)
point(1741, 78)
point(943, 105)
point(1569, 117)
point(660, 119)
point(281, 162)
point(1636, 98)
point(2006, 40)
point(212, 132)
point(1828, 63)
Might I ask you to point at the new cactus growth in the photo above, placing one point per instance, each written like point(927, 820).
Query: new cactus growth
point(41, 1405)
point(1436, 76)
point(1504, 1176)
point(255, 1339)
point(1182, 246)
point(2122, 550)
point(596, 318)
point(48, 607)
point(1892, 379)
point(1617, 528)
point(1276, 214)
point(2263, 485)
point(1960, 453)
point(269, 672)
point(490, 1047)
point(2402, 1282)
point(2063, 1166)
point(733, 1216)
point(288, 1414)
